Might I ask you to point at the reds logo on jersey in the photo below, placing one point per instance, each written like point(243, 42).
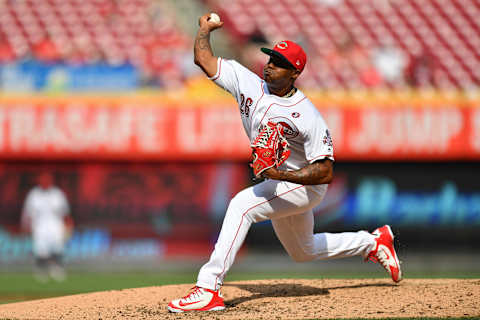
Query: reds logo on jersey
point(289, 128)
point(327, 139)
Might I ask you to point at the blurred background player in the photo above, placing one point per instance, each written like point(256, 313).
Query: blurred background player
point(46, 214)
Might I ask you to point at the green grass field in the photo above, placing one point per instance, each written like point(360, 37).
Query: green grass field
point(22, 286)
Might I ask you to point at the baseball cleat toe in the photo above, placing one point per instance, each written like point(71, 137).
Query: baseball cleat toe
point(199, 299)
point(384, 252)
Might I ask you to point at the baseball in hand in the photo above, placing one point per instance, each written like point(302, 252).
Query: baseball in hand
point(214, 17)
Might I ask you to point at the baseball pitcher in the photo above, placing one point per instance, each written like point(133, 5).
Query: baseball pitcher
point(292, 149)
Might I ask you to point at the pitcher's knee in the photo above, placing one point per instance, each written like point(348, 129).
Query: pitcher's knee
point(302, 257)
point(303, 252)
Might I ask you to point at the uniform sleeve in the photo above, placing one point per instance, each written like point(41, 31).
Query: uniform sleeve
point(318, 144)
point(229, 75)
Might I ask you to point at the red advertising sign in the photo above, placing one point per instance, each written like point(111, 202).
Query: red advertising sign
point(121, 132)
point(60, 129)
point(405, 133)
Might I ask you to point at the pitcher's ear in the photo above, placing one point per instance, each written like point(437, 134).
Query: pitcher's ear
point(295, 74)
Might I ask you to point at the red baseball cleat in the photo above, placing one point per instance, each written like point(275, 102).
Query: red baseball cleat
point(384, 252)
point(199, 299)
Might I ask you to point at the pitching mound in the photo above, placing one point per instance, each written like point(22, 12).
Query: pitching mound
point(272, 299)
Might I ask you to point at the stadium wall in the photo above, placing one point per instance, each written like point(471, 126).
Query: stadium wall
point(128, 164)
point(131, 128)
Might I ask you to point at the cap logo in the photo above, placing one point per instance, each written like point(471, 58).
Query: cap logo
point(282, 45)
point(298, 62)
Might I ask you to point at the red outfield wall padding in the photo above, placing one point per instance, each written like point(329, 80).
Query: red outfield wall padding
point(125, 131)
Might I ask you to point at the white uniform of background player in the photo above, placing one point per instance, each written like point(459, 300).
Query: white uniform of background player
point(287, 205)
point(290, 193)
point(44, 213)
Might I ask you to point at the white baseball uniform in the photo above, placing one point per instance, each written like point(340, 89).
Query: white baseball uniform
point(46, 209)
point(288, 205)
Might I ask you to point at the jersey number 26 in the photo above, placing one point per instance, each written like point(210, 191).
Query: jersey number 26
point(245, 105)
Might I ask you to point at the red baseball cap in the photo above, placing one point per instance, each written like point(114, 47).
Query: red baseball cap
point(289, 52)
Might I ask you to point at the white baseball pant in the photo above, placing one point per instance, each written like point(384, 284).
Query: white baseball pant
point(48, 240)
point(289, 206)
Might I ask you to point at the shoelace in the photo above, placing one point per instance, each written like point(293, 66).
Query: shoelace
point(195, 293)
point(380, 257)
point(262, 138)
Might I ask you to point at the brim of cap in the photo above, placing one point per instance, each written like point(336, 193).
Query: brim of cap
point(277, 54)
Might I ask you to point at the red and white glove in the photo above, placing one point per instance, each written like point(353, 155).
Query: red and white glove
point(270, 148)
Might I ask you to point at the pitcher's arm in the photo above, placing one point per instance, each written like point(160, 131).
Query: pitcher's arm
point(202, 50)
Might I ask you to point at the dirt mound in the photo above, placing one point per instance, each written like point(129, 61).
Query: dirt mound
point(272, 299)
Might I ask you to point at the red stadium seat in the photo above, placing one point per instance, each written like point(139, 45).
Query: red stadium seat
point(450, 30)
point(84, 29)
point(446, 31)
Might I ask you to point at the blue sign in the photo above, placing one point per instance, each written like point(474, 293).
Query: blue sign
point(87, 244)
point(31, 75)
point(378, 200)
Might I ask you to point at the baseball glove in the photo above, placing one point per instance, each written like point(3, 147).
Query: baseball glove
point(270, 148)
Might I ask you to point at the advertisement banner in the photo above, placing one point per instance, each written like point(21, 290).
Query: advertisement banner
point(31, 76)
point(411, 195)
point(125, 132)
point(125, 210)
point(132, 199)
point(402, 133)
point(434, 205)
point(141, 210)
point(113, 129)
